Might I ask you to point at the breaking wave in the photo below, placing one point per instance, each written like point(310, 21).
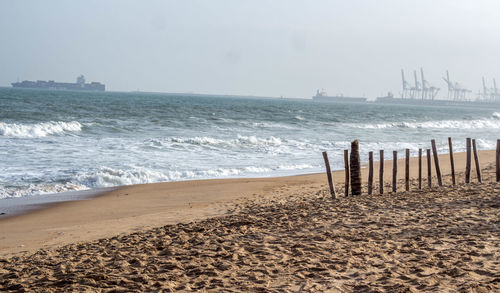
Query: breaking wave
point(443, 124)
point(39, 129)
point(240, 141)
point(38, 189)
point(109, 177)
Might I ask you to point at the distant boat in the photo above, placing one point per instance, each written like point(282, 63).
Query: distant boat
point(323, 97)
point(79, 85)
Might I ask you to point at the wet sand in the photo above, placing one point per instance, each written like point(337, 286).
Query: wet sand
point(272, 234)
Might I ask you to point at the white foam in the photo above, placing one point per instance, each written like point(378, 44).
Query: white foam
point(199, 140)
point(295, 167)
point(39, 189)
point(240, 141)
point(442, 124)
point(39, 129)
point(259, 141)
point(485, 144)
point(110, 177)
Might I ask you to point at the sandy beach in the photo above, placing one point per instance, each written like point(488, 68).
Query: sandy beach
point(219, 146)
point(268, 234)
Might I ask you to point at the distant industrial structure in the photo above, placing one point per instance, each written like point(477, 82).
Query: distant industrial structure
point(420, 90)
point(80, 85)
point(489, 94)
point(456, 92)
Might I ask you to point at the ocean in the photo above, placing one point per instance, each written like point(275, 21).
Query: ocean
point(56, 141)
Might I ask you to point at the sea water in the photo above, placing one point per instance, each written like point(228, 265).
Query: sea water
point(56, 141)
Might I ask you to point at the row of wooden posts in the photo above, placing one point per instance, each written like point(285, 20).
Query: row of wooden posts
point(353, 168)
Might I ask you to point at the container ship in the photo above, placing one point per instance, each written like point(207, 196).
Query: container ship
point(323, 97)
point(79, 85)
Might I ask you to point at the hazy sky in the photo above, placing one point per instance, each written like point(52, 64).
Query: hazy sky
point(269, 48)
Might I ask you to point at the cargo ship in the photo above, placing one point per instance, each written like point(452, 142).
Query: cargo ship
point(323, 97)
point(79, 85)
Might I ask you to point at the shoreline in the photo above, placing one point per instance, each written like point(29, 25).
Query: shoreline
point(134, 208)
point(16, 206)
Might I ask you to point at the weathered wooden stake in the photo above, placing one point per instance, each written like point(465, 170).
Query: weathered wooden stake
point(476, 160)
point(429, 168)
point(370, 173)
point(329, 175)
point(498, 160)
point(381, 173)
point(436, 163)
point(355, 169)
point(407, 170)
point(346, 166)
point(468, 160)
point(452, 162)
point(419, 168)
point(394, 170)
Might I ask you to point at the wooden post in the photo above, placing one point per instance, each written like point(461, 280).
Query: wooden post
point(436, 162)
point(498, 160)
point(370, 173)
point(381, 173)
point(476, 160)
point(394, 170)
point(452, 162)
point(329, 175)
point(429, 168)
point(355, 169)
point(419, 168)
point(346, 166)
point(407, 170)
point(468, 161)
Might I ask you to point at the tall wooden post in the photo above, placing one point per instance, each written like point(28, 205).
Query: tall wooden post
point(429, 168)
point(355, 169)
point(329, 175)
point(452, 162)
point(346, 167)
point(476, 160)
point(394, 170)
point(407, 170)
point(419, 168)
point(498, 160)
point(468, 160)
point(370, 173)
point(381, 172)
point(436, 163)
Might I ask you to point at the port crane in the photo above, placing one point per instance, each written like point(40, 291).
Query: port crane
point(428, 91)
point(409, 91)
point(422, 89)
point(456, 92)
point(489, 94)
point(406, 86)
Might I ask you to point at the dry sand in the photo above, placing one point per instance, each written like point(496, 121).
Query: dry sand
point(278, 234)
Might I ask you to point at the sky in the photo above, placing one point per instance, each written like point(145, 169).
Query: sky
point(266, 48)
